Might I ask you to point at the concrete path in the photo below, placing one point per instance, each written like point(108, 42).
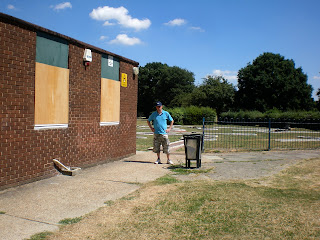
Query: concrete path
point(39, 206)
point(248, 165)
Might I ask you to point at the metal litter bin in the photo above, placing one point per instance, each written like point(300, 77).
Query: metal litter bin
point(193, 147)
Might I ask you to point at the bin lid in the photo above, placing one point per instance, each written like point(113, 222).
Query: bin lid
point(193, 135)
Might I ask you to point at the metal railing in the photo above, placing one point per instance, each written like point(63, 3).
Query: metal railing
point(262, 134)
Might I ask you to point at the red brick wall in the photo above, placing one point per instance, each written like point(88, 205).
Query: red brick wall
point(26, 154)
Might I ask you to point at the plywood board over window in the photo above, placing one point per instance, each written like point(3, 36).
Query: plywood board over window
point(51, 82)
point(52, 94)
point(110, 91)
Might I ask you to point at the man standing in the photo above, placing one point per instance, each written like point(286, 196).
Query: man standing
point(160, 131)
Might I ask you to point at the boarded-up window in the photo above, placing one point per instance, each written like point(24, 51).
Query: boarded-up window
point(51, 81)
point(110, 90)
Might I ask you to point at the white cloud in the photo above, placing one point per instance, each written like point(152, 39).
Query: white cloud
point(218, 72)
point(103, 38)
point(120, 15)
point(176, 22)
point(231, 76)
point(11, 7)
point(123, 39)
point(197, 29)
point(61, 6)
point(316, 77)
point(107, 23)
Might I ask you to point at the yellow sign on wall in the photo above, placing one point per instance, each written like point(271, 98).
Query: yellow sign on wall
point(124, 80)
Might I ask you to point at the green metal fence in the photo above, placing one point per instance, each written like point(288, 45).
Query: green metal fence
point(262, 134)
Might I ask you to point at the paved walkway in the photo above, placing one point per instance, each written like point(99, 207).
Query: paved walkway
point(39, 206)
point(248, 165)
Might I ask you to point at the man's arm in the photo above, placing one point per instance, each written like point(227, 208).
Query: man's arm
point(170, 127)
point(150, 126)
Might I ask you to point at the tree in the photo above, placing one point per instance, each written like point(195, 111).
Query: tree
point(272, 81)
point(317, 103)
point(215, 92)
point(159, 82)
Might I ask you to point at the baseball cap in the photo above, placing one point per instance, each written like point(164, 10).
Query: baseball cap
point(158, 104)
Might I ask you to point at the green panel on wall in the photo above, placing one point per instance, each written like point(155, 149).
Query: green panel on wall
point(110, 67)
point(52, 50)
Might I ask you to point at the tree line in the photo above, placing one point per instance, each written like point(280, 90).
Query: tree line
point(269, 82)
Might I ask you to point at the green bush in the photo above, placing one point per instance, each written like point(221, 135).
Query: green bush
point(243, 115)
point(177, 114)
point(192, 115)
point(274, 114)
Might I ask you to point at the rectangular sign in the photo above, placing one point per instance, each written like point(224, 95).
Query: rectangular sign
point(124, 80)
point(110, 61)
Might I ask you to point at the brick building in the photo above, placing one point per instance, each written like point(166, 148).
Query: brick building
point(54, 106)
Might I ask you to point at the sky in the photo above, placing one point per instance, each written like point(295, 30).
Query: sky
point(206, 37)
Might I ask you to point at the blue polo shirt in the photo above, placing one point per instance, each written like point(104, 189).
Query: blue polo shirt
point(160, 121)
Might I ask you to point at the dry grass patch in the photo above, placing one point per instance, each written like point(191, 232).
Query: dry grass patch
point(305, 175)
point(285, 206)
point(95, 224)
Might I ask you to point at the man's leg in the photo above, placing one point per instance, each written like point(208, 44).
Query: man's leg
point(156, 147)
point(166, 147)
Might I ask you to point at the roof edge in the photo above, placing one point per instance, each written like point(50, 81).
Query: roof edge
point(33, 27)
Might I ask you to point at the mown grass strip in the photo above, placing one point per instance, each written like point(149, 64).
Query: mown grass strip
point(40, 236)
point(180, 170)
point(68, 221)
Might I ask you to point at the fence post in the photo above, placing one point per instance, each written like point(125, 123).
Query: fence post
point(202, 144)
point(269, 142)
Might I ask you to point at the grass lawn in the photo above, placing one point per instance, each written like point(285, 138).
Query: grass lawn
point(235, 137)
point(284, 206)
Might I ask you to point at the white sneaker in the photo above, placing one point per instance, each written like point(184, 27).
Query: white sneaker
point(158, 161)
point(170, 162)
